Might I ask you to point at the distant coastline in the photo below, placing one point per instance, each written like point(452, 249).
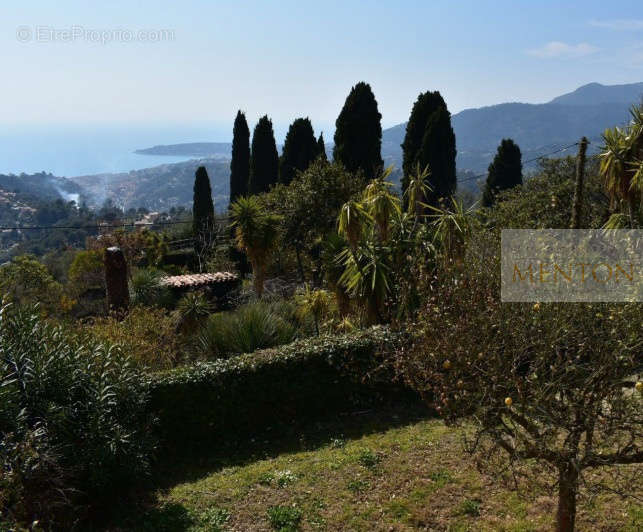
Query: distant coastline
point(190, 149)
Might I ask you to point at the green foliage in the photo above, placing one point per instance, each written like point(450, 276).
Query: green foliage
point(73, 425)
point(299, 151)
point(438, 152)
point(146, 288)
point(321, 147)
point(191, 311)
point(622, 168)
point(322, 189)
point(202, 207)
point(256, 234)
point(264, 162)
point(240, 163)
point(246, 329)
point(358, 133)
point(243, 395)
point(426, 104)
point(146, 335)
point(545, 200)
point(504, 172)
point(25, 281)
point(87, 270)
point(284, 518)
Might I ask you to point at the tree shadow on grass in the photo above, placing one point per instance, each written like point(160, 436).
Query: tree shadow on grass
point(143, 514)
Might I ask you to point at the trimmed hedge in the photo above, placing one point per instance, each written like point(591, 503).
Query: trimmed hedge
point(228, 399)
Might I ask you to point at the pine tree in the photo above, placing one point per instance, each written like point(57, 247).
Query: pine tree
point(426, 104)
point(202, 207)
point(504, 172)
point(264, 161)
point(358, 132)
point(438, 152)
point(300, 149)
point(321, 147)
point(240, 164)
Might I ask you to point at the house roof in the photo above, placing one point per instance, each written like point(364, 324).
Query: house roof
point(198, 279)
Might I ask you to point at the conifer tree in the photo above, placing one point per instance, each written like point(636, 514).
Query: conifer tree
point(426, 104)
point(321, 147)
point(300, 149)
point(264, 160)
point(240, 164)
point(202, 207)
point(504, 172)
point(358, 132)
point(438, 152)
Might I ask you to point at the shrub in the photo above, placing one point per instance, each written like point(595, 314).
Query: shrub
point(73, 424)
point(253, 326)
point(300, 381)
point(147, 335)
point(284, 518)
point(146, 289)
point(192, 309)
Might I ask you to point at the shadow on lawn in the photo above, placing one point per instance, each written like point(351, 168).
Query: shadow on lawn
point(143, 515)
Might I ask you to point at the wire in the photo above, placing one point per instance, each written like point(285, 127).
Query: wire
point(524, 162)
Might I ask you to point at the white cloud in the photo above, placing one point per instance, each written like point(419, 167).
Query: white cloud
point(563, 50)
point(619, 24)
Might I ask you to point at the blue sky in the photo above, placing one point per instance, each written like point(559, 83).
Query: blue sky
point(299, 58)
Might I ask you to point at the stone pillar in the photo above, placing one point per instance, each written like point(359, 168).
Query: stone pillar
point(116, 280)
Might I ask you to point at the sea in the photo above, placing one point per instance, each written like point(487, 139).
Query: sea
point(69, 150)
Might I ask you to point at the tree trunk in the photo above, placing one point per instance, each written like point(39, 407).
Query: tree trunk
point(116, 280)
point(343, 302)
point(567, 487)
point(259, 277)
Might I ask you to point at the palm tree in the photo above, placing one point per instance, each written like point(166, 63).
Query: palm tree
point(622, 167)
point(256, 234)
point(380, 203)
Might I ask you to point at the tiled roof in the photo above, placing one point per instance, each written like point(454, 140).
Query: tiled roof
point(198, 279)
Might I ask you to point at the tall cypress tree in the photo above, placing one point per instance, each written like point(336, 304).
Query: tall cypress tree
point(300, 149)
point(438, 151)
point(358, 132)
point(264, 160)
point(321, 147)
point(202, 207)
point(240, 164)
point(505, 171)
point(426, 104)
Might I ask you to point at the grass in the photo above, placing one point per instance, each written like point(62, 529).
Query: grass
point(391, 471)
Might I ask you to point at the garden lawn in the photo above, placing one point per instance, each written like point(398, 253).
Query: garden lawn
point(390, 471)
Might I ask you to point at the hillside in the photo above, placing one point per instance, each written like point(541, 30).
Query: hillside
point(157, 188)
point(41, 186)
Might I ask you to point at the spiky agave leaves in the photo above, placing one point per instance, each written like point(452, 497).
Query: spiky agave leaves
point(417, 191)
point(381, 204)
point(353, 218)
point(621, 163)
point(256, 233)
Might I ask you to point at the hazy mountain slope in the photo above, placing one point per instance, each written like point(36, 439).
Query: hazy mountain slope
point(41, 186)
point(160, 187)
point(595, 93)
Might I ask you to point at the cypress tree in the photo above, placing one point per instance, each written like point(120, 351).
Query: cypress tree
point(358, 132)
point(321, 147)
point(240, 164)
point(438, 151)
point(264, 161)
point(202, 207)
point(300, 149)
point(504, 172)
point(426, 104)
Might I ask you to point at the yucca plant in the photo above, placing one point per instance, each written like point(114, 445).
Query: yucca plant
point(622, 167)
point(451, 227)
point(315, 303)
point(146, 288)
point(191, 311)
point(256, 233)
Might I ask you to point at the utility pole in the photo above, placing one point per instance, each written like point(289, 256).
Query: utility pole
point(577, 206)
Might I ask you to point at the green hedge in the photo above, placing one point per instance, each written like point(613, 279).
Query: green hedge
point(302, 381)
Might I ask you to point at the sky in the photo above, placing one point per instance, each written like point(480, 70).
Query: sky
point(146, 62)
